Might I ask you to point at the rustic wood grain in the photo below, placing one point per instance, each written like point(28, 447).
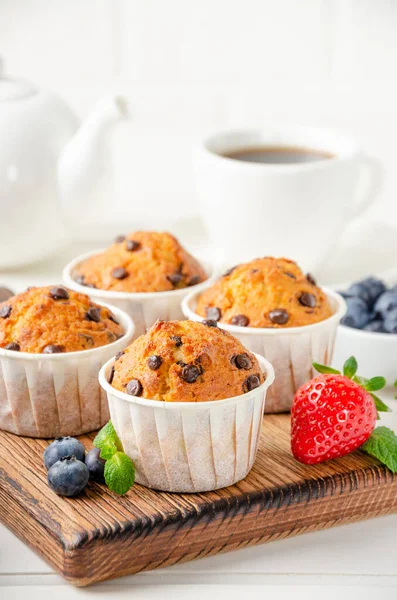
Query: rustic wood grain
point(100, 536)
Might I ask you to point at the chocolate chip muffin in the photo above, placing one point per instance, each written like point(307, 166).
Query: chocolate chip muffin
point(266, 292)
point(186, 361)
point(144, 261)
point(52, 320)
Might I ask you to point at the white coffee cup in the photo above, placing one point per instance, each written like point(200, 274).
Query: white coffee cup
point(297, 210)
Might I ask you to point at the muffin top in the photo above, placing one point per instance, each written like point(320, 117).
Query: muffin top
point(144, 261)
point(186, 361)
point(266, 292)
point(55, 319)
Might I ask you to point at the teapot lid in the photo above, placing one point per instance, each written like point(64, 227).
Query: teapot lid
point(15, 89)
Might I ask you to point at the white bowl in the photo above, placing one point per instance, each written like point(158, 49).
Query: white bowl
point(50, 395)
point(290, 350)
point(144, 307)
point(376, 353)
point(189, 446)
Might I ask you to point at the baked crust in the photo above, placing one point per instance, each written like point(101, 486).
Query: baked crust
point(268, 292)
point(143, 261)
point(38, 318)
point(186, 361)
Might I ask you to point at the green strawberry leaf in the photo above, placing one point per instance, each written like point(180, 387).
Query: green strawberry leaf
point(119, 473)
point(350, 367)
point(375, 384)
point(380, 405)
point(360, 380)
point(324, 369)
point(382, 444)
point(107, 441)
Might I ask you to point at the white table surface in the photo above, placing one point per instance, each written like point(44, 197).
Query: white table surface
point(354, 561)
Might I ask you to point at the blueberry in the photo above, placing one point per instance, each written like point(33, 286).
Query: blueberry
point(390, 322)
point(376, 325)
point(368, 289)
point(68, 476)
point(96, 465)
point(63, 446)
point(386, 302)
point(357, 315)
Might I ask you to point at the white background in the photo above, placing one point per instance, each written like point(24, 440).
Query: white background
point(189, 67)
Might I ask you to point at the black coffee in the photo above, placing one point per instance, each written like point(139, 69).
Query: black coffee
point(278, 155)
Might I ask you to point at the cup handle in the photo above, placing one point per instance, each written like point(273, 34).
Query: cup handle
point(373, 172)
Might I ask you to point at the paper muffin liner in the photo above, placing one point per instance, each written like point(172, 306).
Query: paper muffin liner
point(51, 395)
point(188, 446)
point(143, 307)
point(290, 350)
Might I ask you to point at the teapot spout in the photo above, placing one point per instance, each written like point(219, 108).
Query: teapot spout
point(84, 172)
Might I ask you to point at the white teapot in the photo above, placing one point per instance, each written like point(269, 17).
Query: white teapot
point(48, 163)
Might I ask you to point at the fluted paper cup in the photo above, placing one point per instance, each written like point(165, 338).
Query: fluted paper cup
point(291, 350)
point(144, 307)
point(189, 446)
point(51, 395)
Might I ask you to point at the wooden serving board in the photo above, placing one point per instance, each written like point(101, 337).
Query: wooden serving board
point(99, 535)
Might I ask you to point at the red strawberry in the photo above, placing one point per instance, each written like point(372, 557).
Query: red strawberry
point(334, 414)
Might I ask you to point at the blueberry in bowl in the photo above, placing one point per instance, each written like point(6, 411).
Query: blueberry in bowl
point(369, 328)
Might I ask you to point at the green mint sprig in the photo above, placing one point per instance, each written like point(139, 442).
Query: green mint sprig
point(119, 468)
point(382, 444)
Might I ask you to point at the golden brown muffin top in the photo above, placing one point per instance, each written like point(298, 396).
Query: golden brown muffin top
point(186, 361)
point(54, 319)
point(266, 292)
point(143, 261)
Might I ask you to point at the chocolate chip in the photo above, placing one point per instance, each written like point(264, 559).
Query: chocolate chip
point(88, 339)
point(93, 314)
point(119, 273)
point(134, 388)
point(213, 313)
point(190, 373)
point(5, 293)
point(279, 316)
point(119, 239)
point(177, 340)
point(13, 346)
point(311, 279)
point(112, 318)
point(132, 245)
point(241, 361)
point(291, 275)
point(240, 320)
point(119, 354)
point(111, 375)
point(194, 280)
point(80, 279)
point(59, 293)
point(228, 272)
point(307, 300)
point(175, 278)
point(210, 323)
point(251, 382)
point(180, 363)
point(154, 362)
point(53, 349)
point(5, 311)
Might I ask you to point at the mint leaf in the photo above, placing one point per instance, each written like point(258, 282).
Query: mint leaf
point(375, 384)
point(395, 383)
point(350, 367)
point(380, 405)
point(107, 441)
point(119, 473)
point(382, 444)
point(324, 369)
